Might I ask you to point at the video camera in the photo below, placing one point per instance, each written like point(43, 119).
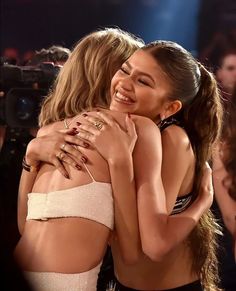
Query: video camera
point(21, 103)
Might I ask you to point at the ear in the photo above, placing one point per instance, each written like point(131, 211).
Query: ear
point(172, 107)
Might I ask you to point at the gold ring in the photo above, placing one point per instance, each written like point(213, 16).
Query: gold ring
point(62, 147)
point(98, 124)
point(60, 156)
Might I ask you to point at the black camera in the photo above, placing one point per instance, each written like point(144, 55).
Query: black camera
point(21, 103)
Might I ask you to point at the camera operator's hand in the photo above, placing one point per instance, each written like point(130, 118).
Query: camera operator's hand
point(57, 148)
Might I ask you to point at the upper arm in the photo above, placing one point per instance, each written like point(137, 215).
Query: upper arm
point(176, 160)
point(226, 204)
point(147, 162)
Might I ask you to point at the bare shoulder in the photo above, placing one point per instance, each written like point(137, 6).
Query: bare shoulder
point(142, 123)
point(176, 136)
point(47, 129)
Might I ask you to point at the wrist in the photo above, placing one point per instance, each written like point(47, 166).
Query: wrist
point(30, 157)
point(120, 161)
point(29, 168)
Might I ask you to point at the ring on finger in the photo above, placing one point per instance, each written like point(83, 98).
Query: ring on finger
point(98, 124)
point(62, 147)
point(60, 156)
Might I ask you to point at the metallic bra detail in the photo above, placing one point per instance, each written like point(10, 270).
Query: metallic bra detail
point(93, 201)
point(182, 203)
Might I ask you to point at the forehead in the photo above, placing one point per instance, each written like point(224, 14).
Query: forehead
point(229, 60)
point(143, 62)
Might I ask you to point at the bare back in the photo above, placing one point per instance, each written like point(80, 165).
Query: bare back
point(66, 244)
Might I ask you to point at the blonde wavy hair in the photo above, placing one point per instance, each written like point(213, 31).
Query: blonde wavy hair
point(84, 81)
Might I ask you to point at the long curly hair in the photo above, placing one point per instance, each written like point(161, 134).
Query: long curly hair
point(228, 139)
point(201, 116)
point(84, 81)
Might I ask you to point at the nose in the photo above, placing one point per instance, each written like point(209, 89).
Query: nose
point(126, 83)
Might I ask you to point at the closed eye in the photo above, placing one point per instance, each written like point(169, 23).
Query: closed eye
point(144, 82)
point(124, 70)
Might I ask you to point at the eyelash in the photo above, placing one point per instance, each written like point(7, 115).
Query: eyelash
point(144, 82)
point(141, 81)
point(124, 70)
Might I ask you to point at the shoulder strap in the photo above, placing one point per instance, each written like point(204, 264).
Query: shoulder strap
point(167, 122)
point(90, 174)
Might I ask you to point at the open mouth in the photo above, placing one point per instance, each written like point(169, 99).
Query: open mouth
point(123, 99)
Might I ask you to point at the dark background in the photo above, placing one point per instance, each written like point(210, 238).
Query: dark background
point(34, 24)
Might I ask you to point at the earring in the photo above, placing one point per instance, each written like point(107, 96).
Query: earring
point(161, 123)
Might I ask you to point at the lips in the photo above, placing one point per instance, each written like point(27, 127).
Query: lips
point(122, 98)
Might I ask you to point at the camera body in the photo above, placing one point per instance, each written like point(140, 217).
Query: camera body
point(24, 89)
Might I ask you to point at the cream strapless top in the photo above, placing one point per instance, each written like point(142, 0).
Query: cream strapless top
point(91, 201)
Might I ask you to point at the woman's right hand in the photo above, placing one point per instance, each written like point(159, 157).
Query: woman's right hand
point(57, 148)
point(206, 192)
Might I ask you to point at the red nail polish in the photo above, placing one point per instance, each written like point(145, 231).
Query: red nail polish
point(84, 159)
point(79, 167)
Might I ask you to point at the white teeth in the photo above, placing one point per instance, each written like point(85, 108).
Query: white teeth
point(122, 97)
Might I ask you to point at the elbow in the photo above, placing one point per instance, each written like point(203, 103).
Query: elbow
point(156, 251)
point(132, 256)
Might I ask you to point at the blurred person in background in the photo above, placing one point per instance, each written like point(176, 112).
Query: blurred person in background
point(226, 72)
point(224, 177)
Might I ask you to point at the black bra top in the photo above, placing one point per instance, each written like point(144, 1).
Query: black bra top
point(182, 202)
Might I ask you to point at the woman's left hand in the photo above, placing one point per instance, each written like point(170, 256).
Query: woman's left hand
point(105, 134)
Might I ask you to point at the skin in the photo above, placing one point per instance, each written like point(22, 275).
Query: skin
point(166, 266)
point(155, 224)
point(226, 74)
point(226, 204)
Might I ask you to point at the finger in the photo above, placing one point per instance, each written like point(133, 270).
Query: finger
point(86, 136)
point(75, 157)
point(68, 159)
point(60, 167)
point(130, 126)
point(206, 182)
point(89, 128)
point(108, 119)
point(207, 165)
point(75, 140)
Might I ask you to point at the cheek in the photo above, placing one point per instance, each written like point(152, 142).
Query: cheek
point(112, 88)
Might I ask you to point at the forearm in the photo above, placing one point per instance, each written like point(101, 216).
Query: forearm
point(125, 204)
point(25, 187)
point(160, 232)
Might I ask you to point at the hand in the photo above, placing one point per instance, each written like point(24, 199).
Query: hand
point(57, 148)
point(105, 134)
point(206, 192)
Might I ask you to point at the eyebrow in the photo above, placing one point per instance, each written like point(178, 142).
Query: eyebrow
point(140, 72)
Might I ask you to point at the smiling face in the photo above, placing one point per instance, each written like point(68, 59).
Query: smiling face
point(140, 87)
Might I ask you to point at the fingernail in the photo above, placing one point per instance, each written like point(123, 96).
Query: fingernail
point(79, 167)
point(86, 145)
point(84, 159)
point(74, 128)
point(84, 114)
point(78, 123)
